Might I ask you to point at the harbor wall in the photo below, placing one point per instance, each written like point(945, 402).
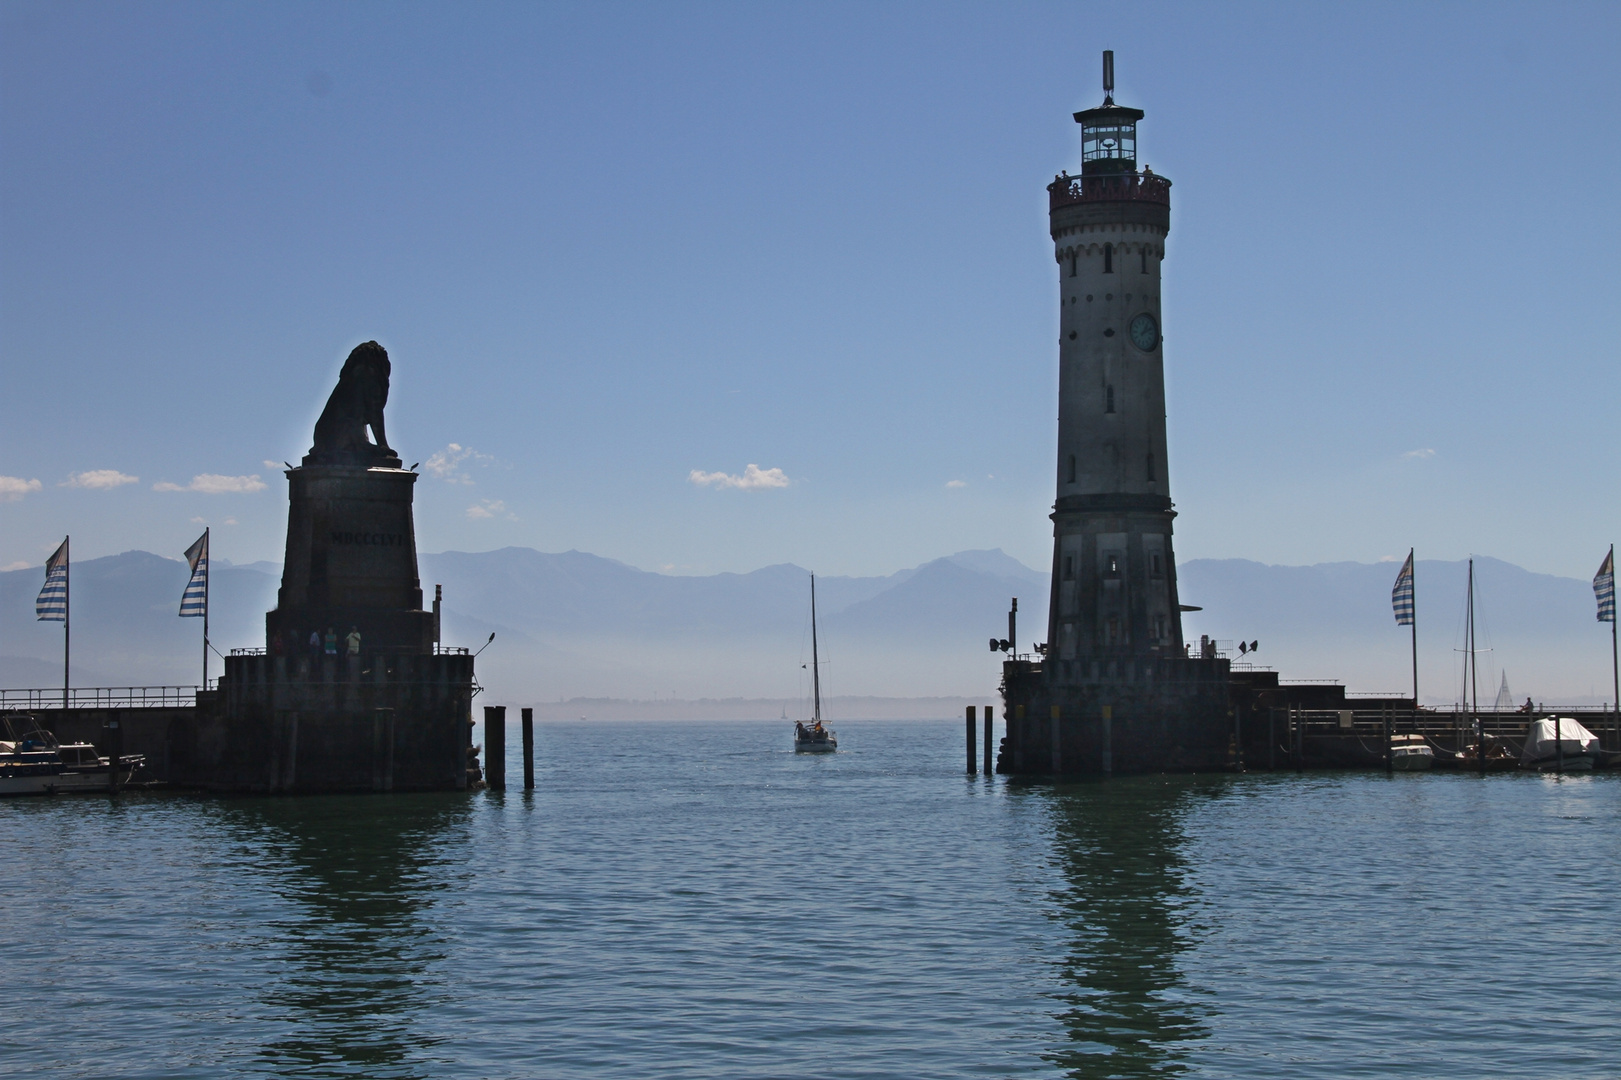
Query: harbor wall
point(382, 722)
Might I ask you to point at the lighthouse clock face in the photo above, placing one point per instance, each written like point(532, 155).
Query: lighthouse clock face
point(1145, 332)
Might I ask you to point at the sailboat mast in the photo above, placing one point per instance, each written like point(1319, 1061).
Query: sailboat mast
point(816, 663)
point(1474, 669)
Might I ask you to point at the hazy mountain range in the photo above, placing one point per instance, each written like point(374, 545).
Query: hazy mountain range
point(577, 625)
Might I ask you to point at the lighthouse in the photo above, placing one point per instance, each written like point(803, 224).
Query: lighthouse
point(1114, 572)
point(1113, 688)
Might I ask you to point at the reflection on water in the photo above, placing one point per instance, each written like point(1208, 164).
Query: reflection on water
point(1119, 847)
point(360, 956)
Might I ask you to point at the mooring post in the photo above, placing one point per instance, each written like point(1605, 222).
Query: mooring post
point(1389, 767)
point(1057, 749)
point(1272, 737)
point(495, 747)
point(1238, 737)
point(990, 760)
point(529, 749)
point(1108, 739)
point(971, 755)
point(115, 751)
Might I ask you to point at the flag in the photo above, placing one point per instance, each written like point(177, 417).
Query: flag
point(1603, 587)
point(52, 604)
point(194, 601)
point(1401, 597)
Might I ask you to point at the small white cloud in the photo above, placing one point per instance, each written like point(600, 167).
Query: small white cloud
point(1418, 454)
point(275, 464)
point(1391, 558)
point(490, 508)
point(956, 483)
point(19, 565)
point(447, 464)
point(215, 484)
point(99, 479)
point(230, 521)
point(199, 521)
point(13, 488)
point(754, 478)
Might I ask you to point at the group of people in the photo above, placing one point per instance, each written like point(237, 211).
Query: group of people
point(319, 644)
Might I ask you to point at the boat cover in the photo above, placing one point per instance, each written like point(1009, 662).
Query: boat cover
point(1575, 740)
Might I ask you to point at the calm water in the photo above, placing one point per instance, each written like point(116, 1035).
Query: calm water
point(690, 900)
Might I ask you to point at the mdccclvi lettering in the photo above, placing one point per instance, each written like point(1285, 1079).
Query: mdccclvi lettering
point(367, 539)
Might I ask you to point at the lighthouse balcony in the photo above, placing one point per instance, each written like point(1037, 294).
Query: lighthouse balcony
point(1144, 186)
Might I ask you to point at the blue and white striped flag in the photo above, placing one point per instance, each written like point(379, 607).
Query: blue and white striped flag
point(194, 601)
point(1604, 588)
point(1401, 597)
point(52, 603)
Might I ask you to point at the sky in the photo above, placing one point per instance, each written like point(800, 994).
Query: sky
point(710, 287)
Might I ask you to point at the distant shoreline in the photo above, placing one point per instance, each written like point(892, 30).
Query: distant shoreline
point(834, 709)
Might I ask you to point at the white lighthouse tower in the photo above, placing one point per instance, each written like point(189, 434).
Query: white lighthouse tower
point(1114, 574)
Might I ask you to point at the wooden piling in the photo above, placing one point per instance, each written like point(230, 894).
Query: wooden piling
point(990, 760)
point(115, 750)
point(1108, 739)
point(1057, 757)
point(971, 755)
point(529, 749)
point(495, 747)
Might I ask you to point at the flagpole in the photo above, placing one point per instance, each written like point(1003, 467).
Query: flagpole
point(1615, 669)
point(1415, 637)
point(67, 570)
point(207, 556)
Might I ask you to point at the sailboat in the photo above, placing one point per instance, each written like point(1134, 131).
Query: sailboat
point(813, 738)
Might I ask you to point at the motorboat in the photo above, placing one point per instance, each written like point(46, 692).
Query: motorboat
point(1411, 753)
point(32, 762)
point(1559, 743)
point(814, 738)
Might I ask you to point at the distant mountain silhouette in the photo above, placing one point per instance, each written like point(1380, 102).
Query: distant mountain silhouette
point(572, 624)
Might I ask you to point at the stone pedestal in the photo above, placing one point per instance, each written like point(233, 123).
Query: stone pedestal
point(351, 560)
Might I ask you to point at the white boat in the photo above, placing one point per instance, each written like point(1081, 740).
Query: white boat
point(1559, 742)
point(1411, 753)
point(813, 738)
point(32, 762)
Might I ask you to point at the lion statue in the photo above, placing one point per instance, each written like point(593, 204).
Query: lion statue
point(356, 404)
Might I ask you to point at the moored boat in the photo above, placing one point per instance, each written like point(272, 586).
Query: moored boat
point(1557, 743)
point(1411, 753)
point(32, 762)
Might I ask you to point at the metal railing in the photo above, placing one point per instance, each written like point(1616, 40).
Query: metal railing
point(1069, 190)
point(100, 697)
point(1445, 729)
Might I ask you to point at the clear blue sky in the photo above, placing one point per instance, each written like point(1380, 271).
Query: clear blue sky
point(609, 245)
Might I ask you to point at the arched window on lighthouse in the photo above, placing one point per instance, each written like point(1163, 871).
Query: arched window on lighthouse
point(1144, 253)
point(1108, 399)
point(1108, 258)
point(1072, 258)
point(1072, 468)
point(1151, 475)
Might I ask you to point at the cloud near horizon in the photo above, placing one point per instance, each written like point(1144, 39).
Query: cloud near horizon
point(215, 484)
point(956, 483)
point(447, 464)
point(1416, 454)
point(99, 479)
point(490, 508)
point(754, 478)
point(13, 488)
